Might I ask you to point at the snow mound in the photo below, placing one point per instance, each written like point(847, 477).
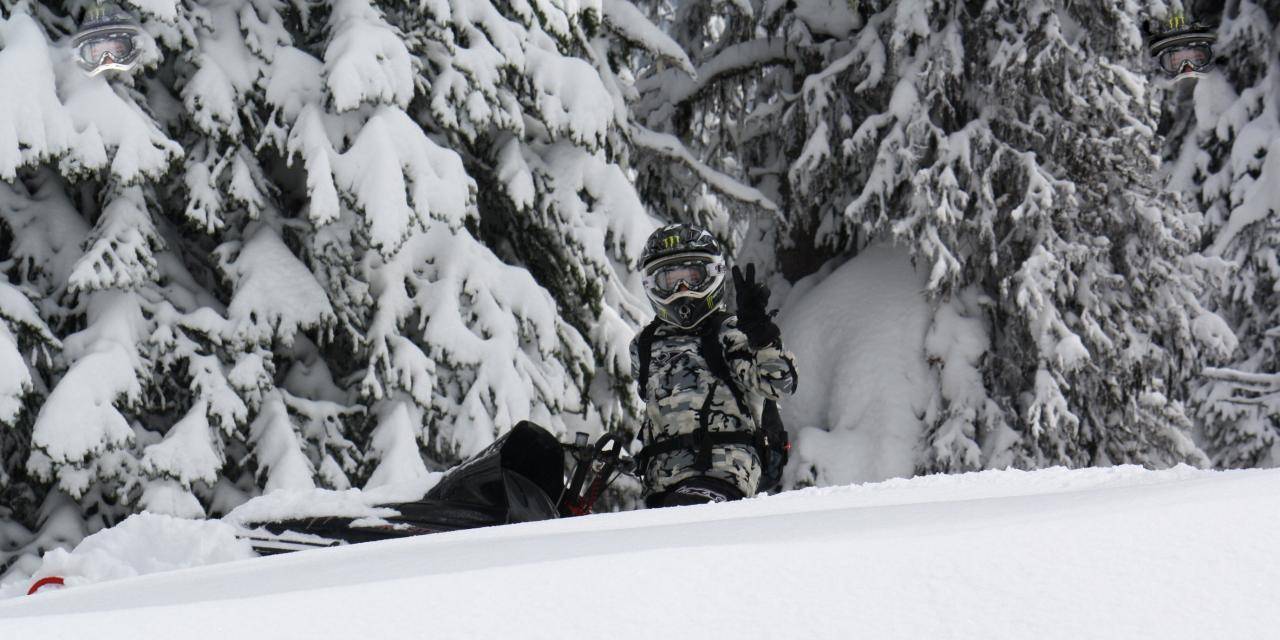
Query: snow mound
point(141, 544)
point(858, 336)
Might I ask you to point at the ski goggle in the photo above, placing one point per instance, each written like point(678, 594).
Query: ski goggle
point(107, 50)
point(694, 274)
point(1185, 59)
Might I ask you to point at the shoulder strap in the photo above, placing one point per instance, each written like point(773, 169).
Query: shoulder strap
point(644, 349)
point(713, 353)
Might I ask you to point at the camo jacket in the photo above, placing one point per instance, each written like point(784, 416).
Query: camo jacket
point(679, 381)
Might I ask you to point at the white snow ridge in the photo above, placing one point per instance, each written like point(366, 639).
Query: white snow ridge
point(1119, 552)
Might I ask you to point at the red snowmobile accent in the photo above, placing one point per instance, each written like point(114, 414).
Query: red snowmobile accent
point(593, 472)
point(44, 582)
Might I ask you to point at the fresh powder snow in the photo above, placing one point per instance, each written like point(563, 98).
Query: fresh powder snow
point(308, 255)
point(1118, 552)
point(859, 339)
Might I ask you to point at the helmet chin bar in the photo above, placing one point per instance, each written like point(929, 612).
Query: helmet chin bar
point(689, 312)
point(685, 310)
point(1170, 81)
point(104, 65)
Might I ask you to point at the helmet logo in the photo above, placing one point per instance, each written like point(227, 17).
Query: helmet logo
point(1177, 21)
point(685, 311)
point(670, 242)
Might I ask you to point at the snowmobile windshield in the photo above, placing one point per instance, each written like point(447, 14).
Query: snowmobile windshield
point(691, 274)
point(116, 49)
point(1186, 58)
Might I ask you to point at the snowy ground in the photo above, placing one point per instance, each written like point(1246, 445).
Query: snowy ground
point(1096, 553)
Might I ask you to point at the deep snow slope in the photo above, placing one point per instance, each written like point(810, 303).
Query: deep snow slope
point(1096, 553)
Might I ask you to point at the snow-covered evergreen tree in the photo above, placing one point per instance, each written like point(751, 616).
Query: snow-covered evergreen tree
point(687, 162)
point(504, 227)
point(1225, 155)
point(1011, 146)
point(1084, 256)
point(310, 244)
point(26, 340)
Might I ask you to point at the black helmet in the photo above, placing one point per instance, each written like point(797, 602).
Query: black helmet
point(1182, 48)
point(683, 274)
point(108, 40)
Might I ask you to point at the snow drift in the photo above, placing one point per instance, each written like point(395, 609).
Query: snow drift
point(1100, 553)
point(859, 339)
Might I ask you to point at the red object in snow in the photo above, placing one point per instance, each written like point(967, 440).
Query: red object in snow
point(44, 582)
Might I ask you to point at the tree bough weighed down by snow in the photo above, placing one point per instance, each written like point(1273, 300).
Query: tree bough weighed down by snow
point(1225, 156)
point(1012, 147)
point(308, 244)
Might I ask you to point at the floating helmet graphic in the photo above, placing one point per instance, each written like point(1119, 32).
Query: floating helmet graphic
point(108, 40)
point(1182, 49)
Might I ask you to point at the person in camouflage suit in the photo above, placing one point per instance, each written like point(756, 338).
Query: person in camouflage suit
point(706, 373)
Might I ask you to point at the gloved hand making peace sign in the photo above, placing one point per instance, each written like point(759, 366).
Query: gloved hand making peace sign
point(753, 315)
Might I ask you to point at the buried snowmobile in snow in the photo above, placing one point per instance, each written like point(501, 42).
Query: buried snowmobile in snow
point(518, 478)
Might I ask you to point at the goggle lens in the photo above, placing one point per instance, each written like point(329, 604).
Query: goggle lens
point(117, 48)
point(1174, 60)
point(690, 275)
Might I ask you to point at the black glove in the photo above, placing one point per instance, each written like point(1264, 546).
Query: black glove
point(753, 319)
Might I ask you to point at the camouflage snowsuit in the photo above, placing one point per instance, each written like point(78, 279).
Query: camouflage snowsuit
point(679, 381)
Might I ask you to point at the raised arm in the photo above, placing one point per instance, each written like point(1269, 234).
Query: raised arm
point(753, 343)
point(769, 370)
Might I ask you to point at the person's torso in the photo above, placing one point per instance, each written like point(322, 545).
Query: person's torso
point(682, 387)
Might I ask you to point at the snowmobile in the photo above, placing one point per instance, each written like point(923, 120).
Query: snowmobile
point(519, 478)
point(1182, 49)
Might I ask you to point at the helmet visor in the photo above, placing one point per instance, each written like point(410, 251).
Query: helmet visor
point(1186, 58)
